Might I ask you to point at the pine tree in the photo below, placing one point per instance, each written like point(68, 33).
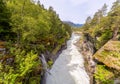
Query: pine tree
point(104, 9)
point(88, 20)
point(115, 17)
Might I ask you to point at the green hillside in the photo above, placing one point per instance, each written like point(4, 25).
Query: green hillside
point(28, 30)
point(103, 32)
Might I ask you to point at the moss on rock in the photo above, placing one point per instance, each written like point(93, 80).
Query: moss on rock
point(109, 54)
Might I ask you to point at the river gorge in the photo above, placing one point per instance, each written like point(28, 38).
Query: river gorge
point(69, 66)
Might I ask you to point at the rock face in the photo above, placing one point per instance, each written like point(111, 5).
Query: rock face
point(109, 54)
point(102, 66)
point(69, 66)
point(108, 67)
point(87, 48)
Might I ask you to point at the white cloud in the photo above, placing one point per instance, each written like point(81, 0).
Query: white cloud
point(76, 10)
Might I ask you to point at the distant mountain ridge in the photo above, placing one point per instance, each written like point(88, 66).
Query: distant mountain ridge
point(73, 24)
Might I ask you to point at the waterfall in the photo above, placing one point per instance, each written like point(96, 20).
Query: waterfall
point(45, 69)
point(69, 66)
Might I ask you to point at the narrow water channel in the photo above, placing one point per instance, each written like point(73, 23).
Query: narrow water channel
point(69, 66)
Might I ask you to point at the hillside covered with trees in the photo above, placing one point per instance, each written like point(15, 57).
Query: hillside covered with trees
point(101, 38)
point(32, 37)
point(28, 30)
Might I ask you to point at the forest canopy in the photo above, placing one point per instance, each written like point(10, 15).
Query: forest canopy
point(27, 30)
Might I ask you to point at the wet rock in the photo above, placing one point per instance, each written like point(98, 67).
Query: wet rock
point(9, 61)
point(117, 81)
point(87, 48)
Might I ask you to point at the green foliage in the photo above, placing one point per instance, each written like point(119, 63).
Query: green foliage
point(34, 80)
point(104, 27)
point(50, 63)
point(106, 35)
point(23, 65)
point(35, 25)
point(28, 30)
point(5, 29)
point(103, 76)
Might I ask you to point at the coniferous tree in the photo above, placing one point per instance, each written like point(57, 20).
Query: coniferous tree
point(88, 20)
point(115, 17)
point(37, 31)
point(104, 9)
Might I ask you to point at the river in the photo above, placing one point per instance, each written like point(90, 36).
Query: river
point(69, 66)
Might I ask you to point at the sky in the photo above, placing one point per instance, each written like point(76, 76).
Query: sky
point(76, 10)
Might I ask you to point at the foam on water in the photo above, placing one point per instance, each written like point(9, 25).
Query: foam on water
point(69, 66)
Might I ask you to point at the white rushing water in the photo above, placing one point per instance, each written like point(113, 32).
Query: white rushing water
point(69, 66)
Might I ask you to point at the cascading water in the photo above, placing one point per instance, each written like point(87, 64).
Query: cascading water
point(69, 66)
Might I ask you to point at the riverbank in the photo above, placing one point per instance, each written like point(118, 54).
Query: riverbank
point(69, 66)
point(102, 65)
point(86, 48)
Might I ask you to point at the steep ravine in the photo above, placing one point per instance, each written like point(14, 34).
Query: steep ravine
point(102, 65)
point(69, 66)
point(87, 49)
